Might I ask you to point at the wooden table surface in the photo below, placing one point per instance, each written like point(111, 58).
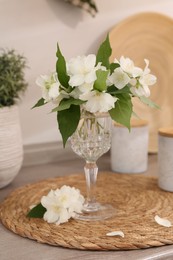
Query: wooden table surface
point(14, 247)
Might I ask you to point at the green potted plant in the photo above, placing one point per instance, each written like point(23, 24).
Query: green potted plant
point(12, 84)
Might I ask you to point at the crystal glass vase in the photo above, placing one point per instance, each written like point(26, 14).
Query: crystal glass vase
point(91, 140)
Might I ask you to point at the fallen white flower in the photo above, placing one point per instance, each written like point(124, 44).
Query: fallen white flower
point(115, 233)
point(62, 204)
point(162, 221)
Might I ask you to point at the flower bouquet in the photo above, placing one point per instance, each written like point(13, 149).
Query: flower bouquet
point(87, 93)
point(93, 84)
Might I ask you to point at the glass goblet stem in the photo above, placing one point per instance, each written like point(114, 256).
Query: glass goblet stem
point(91, 171)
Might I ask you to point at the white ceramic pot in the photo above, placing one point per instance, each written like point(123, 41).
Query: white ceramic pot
point(165, 159)
point(129, 150)
point(11, 147)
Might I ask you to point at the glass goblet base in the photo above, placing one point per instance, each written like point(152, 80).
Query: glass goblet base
point(96, 211)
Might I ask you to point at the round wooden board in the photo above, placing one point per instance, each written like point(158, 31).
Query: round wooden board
point(137, 200)
point(149, 36)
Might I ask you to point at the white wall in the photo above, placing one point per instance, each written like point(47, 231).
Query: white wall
point(33, 27)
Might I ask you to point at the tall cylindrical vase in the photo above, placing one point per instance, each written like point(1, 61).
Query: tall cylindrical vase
point(165, 158)
point(129, 150)
point(11, 148)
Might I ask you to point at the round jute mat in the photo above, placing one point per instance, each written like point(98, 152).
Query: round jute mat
point(136, 198)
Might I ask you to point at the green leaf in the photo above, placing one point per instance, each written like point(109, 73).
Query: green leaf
point(36, 212)
point(61, 69)
point(39, 103)
point(148, 102)
point(113, 90)
point(113, 66)
point(100, 83)
point(104, 52)
point(68, 121)
point(123, 110)
point(66, 104)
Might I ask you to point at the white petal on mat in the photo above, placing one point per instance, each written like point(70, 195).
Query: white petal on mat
point(115, 233)
point(162, 221)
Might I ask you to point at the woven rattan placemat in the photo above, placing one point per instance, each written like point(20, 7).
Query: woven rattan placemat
point(137, 199)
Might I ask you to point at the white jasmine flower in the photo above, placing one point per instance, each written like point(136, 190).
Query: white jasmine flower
point(128, 66)
point(70, 198)
point(41, 82)
point(147, 80)
point(82, 70)
point(54, 91)
point(62, 204)
point(133, 82)
point(98, 101)
point(58, 99)
point(78, 91)
point(53, 207)
point(146, 69)
point(162, 221)
point(49, 86)
point(75, 93)
point(58, 215)
point(119, 78)
point(86, 87)
point(115, 233)
point(140, 91)
point(144, 81)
